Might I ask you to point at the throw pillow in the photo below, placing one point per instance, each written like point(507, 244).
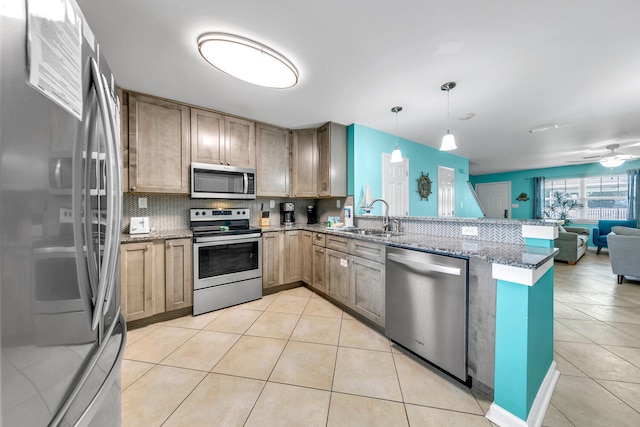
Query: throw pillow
point(626, 231)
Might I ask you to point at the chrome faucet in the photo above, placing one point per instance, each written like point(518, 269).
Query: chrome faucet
point(385, 224)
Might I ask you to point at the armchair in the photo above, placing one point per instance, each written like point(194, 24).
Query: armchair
point(604, 228)
point(624, 247)
point(572, 242)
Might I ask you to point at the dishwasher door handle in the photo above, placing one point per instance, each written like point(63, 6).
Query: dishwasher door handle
point(424, 266)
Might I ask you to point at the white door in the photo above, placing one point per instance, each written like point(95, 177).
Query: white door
point(395, 185)
point(495, 198)
point(446, 191)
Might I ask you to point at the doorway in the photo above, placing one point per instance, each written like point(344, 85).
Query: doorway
point(446, 192)
point(495, 198)
point(395, 185)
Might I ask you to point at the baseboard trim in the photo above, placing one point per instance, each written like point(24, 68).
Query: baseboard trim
point(504, 418)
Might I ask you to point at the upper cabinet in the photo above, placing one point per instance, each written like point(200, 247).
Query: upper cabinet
point(332, 160)
point(304, 159)
point(319, 162)
point(158, 145)
point(222, 140)
point(272, 161)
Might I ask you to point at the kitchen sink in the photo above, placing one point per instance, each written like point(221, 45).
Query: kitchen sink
point(376, 233)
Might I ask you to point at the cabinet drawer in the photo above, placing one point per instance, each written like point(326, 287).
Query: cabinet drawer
point(319, 239)
point(367, 250)
point(337, 243)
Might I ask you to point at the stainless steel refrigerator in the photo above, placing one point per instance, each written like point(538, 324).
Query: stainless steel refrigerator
point(63, 336)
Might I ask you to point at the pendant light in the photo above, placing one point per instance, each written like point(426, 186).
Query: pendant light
point(396, 155)
point(448, 141)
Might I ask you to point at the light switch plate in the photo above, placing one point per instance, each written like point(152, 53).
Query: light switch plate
point(142, 202)
point(139, 225)
point(272, 204)
point(469, 231)
point(338, 203)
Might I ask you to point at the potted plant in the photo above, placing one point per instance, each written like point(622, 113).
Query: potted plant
point(559, 207)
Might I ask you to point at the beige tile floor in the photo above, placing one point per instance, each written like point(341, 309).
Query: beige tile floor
point(295, 359)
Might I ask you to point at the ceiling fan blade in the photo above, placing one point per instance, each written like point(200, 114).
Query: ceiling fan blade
point(592, 157)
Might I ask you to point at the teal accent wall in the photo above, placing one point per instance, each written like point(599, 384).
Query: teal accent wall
point(522, 181)
point(364, 155)
point(524, 342)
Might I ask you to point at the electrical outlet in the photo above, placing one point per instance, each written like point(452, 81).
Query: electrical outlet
point(272, 204)
point(338, 203)
point(469, 231)
point(142, 203)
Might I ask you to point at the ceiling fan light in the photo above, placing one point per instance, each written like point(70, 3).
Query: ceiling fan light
point(611, 162)
point(396, 156)
point(247, 60)
point(448, 142)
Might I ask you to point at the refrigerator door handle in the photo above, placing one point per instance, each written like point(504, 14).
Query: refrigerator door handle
point(108, 265)
point(115, 197)
point(57, 420)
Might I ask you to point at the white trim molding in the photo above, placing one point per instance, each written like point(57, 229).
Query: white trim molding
point(504, 418)
point(523, 276)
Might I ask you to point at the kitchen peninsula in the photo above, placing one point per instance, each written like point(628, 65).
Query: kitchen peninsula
point(510, 310)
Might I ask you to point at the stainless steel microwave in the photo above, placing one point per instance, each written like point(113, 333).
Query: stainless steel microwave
point(222, 182)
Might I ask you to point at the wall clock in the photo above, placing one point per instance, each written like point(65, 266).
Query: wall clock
point(424, 186)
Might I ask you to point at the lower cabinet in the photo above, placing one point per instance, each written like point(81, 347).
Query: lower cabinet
point(306, 256)
point(271, 259)
point(319, 263)
point(356, 281)
point(292, 271)
point(155, 277)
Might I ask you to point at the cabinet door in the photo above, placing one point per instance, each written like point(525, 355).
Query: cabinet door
point(136, 280)
point(367, 289)
point(292, 257)
point(337, 275)
point(207, 137)
point(178, 277)
point(272, 163)
point(306, 255)
point(240, 136)
point(324, 160)
point(319, 268)
point(158, 145)
point(124, 137)
point(271, 259)
point(304, 161)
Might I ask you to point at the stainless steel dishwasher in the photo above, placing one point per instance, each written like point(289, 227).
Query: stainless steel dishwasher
point(426, 307)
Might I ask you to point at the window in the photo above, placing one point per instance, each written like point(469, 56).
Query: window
point(595, 197)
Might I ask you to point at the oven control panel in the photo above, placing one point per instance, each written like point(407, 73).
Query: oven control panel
point(197, 214)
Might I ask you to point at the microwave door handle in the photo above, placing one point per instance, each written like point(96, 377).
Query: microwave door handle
point(57, 173)
point(115, 193)
point(246, 183)
point(105, 272)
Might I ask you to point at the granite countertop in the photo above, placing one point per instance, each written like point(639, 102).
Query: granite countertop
point(522, 256)
point(157, 235)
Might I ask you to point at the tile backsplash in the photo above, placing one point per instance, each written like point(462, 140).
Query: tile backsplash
point(171, 212)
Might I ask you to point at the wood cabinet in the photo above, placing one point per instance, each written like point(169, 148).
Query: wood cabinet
point(158, 145)
point(136, 280)
point(292, 265)
point(356, 281)
point(332, 160)
point(123, 98)
point(271, 257)
point(178, 276)
point(273, 161)
point(304, 158)
point(319, 262)
point(155, 277)
point(367, 287)
point(337, 275)
point(306, 256)
point(223, 140)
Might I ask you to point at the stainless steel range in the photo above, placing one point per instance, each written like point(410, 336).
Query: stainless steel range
point(227, 258)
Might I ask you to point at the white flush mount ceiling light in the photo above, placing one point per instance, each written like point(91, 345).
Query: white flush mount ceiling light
point(247, 60)
point(396, 155)
point(448, 141)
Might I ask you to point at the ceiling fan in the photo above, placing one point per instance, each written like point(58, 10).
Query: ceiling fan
point(612, 159)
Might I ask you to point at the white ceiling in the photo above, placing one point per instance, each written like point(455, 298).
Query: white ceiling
point(519, 64)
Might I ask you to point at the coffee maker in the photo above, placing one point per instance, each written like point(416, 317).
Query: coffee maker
point(287, 216)
point(312, 215)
